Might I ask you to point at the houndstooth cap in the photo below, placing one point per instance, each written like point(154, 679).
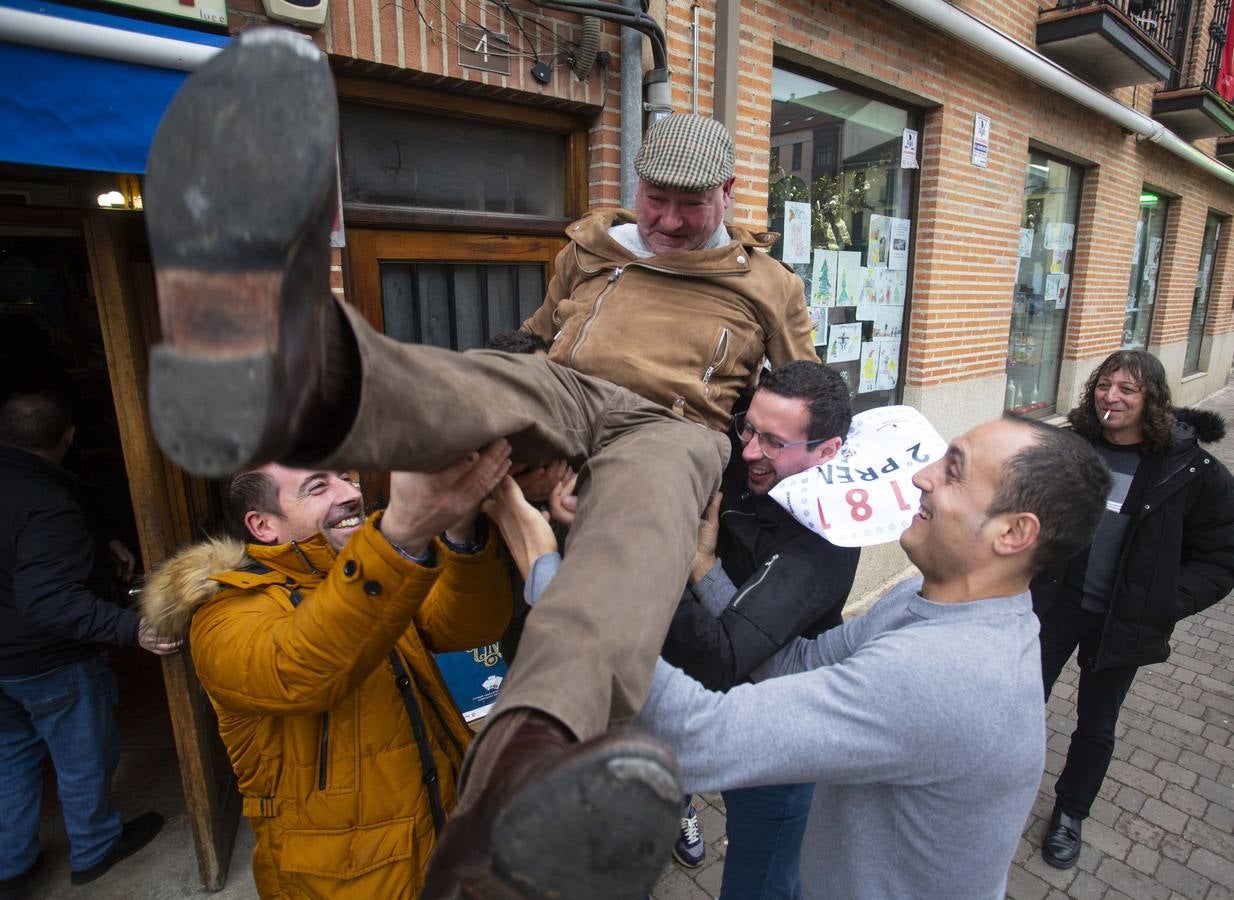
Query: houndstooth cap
point(690, 153)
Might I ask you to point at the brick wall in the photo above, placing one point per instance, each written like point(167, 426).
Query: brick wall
point(965, 235)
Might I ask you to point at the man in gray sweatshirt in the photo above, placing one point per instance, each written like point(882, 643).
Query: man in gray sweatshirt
point(921, 722)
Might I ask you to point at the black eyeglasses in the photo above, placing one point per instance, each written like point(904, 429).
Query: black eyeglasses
point(769, 445)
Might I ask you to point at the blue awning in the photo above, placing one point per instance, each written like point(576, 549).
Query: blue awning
point(84, 112)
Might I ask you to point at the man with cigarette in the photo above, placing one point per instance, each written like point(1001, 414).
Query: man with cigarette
point(1164, 551)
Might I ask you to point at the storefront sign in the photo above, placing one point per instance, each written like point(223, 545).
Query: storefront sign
point(865, 494)
point(212, 11)
point(981, 140)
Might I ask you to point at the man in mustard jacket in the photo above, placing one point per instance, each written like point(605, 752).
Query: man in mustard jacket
point(314, 642)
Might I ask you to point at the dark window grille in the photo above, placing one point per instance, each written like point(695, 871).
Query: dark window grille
point(457, 305)
point(1163, 22)
point(1216, 42)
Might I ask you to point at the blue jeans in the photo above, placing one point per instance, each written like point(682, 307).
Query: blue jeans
point(765, 826)
point(69, 712)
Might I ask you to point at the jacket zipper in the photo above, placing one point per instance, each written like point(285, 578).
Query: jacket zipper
point(717, 360)
point(325, 751)
point(766, 568)
point(595, 311)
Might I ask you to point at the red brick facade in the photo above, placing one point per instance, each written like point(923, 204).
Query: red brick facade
point(966, 230)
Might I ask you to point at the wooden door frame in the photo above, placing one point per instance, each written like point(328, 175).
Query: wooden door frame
point(161, 504)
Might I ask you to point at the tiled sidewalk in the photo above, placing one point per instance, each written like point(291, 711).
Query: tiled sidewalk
point(1163, 827)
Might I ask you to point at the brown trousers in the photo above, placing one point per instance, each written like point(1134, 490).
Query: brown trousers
point(590, 644)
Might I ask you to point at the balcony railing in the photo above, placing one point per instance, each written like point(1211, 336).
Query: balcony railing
point(1216, 43)
point(1163, 22)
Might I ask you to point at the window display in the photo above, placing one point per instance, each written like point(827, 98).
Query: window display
point(1145, 263)
point(845, 221)
point(1043, 283)
point(1203, 285)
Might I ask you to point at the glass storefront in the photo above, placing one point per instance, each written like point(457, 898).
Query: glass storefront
point(1145, 263)
point(843, 202)
point(1042, 288)
point(1203, 286)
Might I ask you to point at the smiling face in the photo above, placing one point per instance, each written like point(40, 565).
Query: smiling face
point(671, 219)
point(310, 502)
point(952, 534)
point(786, 420)
point(1119, 401)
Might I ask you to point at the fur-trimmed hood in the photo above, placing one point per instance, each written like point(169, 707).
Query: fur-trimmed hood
point(1208, 426)
point(183, 582)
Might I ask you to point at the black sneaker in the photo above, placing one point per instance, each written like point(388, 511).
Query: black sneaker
point(690, 849)
point(135, 835)
point(1061, 847)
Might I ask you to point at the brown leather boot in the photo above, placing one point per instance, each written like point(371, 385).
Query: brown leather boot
point(240, 197)
point(543, 816)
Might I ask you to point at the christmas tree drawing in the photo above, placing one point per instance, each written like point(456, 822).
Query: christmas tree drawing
point(822, 290)
point(843, 299)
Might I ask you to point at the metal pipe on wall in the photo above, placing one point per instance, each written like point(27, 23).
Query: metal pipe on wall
point(1047, 73)
point(631, 107)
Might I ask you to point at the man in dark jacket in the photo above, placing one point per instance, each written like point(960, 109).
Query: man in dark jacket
point(759, 580)
point(1164, 550)
point(57, 693)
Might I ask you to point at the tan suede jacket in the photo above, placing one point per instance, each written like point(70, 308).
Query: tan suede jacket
point(687, 329)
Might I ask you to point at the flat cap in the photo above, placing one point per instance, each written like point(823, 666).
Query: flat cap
point(689, 153)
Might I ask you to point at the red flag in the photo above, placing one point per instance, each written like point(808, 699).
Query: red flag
point(1225, 74)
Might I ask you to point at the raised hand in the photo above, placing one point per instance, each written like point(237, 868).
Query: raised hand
point(525, 529)
point(424, 504)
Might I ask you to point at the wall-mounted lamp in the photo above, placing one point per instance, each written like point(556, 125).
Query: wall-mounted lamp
point(112, 200)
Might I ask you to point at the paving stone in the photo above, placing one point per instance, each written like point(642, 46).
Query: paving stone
point(1176, 848)
point(1220, 892)
point(1022, 885)
point(1144, 860)
point(1190, 803)
point(1087, 887)
point(1183, 880)
point(1220, 817)
point(1103, 810)
point(1128, 774)
point(1177, 736)
point(1204, 835)
point(1201, 765)
point(1152, 744)
point(710, 877)
point(1039, 868)
point(1106, 839)
point(1163, 815)
point(1218, 793)
point(1178, 720)
point(1217, 869)
point(1175, 773)
point(1222, 756)
point(1123, 878)
point(1139, 830)
point(1129, 798)
point(676, 885)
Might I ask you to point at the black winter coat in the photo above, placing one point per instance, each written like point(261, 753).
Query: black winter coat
point(1178, 552)
point(791, 582)
point(51, 563)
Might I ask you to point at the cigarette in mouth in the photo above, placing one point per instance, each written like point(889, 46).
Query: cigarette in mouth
point(1106, 417)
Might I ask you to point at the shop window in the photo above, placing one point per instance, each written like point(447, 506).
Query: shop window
point(846, 225)
point(1203, 287)
point(409, 158)
point(1042, 288)
point(1145, 264)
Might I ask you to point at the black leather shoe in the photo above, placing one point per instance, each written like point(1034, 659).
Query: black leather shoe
point(240, 196)
point(1061, 847)
point(16, 886)
point(136, 834)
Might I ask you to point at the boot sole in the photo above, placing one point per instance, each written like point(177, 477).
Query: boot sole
point(241, 170)
point(601, 826)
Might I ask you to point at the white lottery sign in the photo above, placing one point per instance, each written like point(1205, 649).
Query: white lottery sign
point(865, 494)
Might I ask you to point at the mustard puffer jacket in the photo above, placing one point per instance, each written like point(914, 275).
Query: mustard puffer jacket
point(291, 645)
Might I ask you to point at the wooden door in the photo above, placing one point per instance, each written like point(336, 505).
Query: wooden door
point(169, 507)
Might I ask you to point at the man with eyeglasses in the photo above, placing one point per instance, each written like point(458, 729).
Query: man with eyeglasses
point(759, 580)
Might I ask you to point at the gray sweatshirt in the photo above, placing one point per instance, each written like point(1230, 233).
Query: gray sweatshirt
point(922, 723)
